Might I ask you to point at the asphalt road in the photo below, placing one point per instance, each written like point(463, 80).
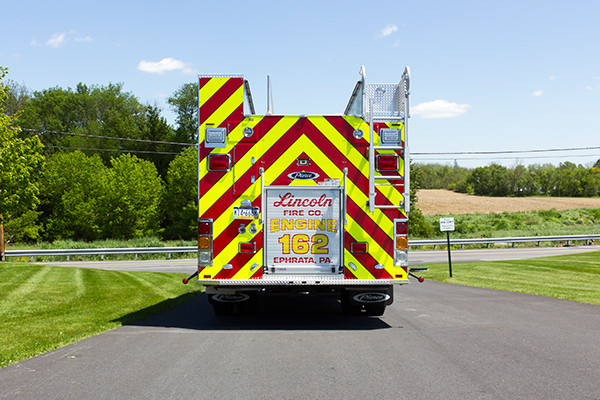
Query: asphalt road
point(437, 341)
point(188, 266)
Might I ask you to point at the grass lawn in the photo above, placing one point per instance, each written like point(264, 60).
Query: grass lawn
point(46, 307)
point(571, 277)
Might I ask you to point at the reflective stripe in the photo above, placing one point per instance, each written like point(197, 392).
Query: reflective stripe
point(275, 145)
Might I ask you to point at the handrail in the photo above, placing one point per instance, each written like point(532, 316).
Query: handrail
point(194, 249)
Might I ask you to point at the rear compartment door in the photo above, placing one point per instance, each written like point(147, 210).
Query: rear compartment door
point(304, 230)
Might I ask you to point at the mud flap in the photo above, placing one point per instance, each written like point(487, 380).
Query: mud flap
point(372, 300)
point(228, 303)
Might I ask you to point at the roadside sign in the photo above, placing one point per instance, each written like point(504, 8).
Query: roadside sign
point(446, 224)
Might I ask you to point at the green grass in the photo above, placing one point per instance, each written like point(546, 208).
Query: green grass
point(104, 244)
point(571, 277)
point(531, 223)
point(46, 307)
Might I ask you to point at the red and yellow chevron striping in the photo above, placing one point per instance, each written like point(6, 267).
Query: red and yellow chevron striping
point(264, 152)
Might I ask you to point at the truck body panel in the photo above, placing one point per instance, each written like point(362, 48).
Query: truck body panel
point(289, 201)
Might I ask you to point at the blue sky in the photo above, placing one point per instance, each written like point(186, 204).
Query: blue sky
point(486, 75)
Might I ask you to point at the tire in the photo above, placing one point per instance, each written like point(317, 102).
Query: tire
point(250, 306)
point(222, 309)
point(375, 310)
point(348, 308)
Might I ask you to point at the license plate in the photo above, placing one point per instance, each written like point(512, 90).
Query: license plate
point(245, 212)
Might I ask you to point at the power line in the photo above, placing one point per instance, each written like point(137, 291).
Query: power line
point(508, 151)
point(43, 132)
point(496, 158)
point(115, 150)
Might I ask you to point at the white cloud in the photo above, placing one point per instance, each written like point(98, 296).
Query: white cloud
point(86, 39)
point(388, 30)
point(396, 43)
point(439, 109)
point(56, 40)
point(166, 64)
point(538, 93)
point(59, 39)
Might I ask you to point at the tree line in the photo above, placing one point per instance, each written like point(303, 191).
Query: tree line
point(95, 163)
point(566, 180)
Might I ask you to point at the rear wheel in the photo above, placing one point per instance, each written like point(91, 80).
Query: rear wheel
point(221, 309)
point(375, 310)
point(348, 307)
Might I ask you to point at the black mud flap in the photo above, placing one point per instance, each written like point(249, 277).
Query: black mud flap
point(372, 300)
point(228, 303)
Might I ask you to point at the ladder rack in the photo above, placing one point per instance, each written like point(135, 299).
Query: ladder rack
point(386, 103)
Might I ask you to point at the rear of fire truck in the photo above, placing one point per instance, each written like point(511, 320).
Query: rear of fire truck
point(294, 204)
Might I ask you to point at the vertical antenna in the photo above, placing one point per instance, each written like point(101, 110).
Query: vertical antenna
point(269, 96)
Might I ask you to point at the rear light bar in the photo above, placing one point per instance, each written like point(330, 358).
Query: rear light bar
point(386, 162)
point(219, 162)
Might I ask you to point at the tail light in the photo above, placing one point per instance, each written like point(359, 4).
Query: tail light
point(205, 242)
point(386, 162)
point(219, 162)
point(401, 242)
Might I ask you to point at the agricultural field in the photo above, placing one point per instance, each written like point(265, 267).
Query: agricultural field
point(440, 202)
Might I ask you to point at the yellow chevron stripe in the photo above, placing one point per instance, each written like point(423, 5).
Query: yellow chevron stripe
point(242, 166)
point(232, 247)
point(210, 88)
point(220, 114)
point(233, 139)
point(375, 250)
point(303, 144)
point(361, 272)
point(245, 272)
point(353, 155)
point(228, 107)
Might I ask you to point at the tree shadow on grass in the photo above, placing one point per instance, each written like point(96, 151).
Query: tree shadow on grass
point(192, 311)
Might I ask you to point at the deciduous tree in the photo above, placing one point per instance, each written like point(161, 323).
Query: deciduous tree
point(21, 160)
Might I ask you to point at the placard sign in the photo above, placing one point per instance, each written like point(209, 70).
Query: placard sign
point(303, 227)
point(446, 224)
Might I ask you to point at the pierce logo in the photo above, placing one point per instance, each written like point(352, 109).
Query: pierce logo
point(231, 298)
point(303, 175)
point(371, 297)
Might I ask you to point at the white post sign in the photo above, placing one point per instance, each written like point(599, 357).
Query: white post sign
point(446, 224)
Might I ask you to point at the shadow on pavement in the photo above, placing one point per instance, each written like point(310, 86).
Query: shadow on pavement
point(273, 313)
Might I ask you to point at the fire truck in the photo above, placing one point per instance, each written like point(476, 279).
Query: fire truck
point(303, 204)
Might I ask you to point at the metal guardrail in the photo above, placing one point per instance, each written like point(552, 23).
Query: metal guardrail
point(513, 240)
point(192, 249)
point(101, 252)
